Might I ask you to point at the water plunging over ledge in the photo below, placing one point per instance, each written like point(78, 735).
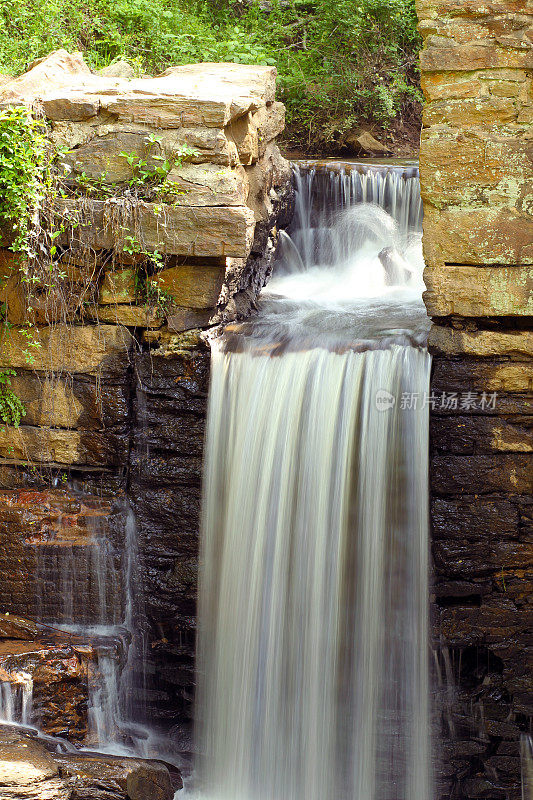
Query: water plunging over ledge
point(313, 608)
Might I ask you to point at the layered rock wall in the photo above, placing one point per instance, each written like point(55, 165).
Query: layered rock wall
point(109, 358)
point(477, 186)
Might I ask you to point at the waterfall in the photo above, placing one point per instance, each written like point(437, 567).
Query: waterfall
point(16, 696)
point(323, 192)
point(313, 603)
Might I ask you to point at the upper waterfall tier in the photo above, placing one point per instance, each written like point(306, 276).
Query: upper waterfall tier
point(348, 273)
point(327, 187)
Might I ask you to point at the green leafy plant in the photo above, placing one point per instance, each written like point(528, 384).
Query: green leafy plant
point(25, 176)
point(146, 289)
point(154, 181)
point(11, 407)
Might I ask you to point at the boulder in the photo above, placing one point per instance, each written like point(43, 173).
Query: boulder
point(363, 143)
point(58, 69)
point(119, 69)
point(31, 771)
point(27, 770)
point(97, 777)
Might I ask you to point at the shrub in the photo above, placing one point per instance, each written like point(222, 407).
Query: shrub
point(340, 61)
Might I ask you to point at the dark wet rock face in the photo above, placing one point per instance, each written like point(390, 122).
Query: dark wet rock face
point(481, 515)
point(50, 539)
point(170, 408)
point(477, 249)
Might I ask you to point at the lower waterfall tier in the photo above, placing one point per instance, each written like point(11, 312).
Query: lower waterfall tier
point(314, 592)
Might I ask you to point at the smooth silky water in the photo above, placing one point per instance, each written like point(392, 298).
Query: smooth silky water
point(313, 603)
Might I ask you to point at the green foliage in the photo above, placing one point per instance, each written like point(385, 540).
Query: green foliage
point(26, 181)
point(340, 61)
point(146, 183)
point(154, 181)
point(24, 174)
point(11, 407)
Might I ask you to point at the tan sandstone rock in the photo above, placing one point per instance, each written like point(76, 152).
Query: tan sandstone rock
point(184, 319)
point(270, 122)
point(196, 287)
point(471, 111)
point(479, 291)
point(209, 185)
point(477, 235)
point(65, 401)
point(88, 349)
point(484, 344)
point(118, 287)
point(58, 69)
point(209, 95)
point(458, 167)
point(119, 69)
point(198, 231)
point(57, 446)
point(28, 771)
point(130, 316)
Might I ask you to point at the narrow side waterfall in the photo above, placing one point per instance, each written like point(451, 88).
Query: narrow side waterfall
point(313, 645)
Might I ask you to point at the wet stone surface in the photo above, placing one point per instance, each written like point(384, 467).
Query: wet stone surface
point(57, 560)
point(482, 526)
point(165, 489)
point(31, 769)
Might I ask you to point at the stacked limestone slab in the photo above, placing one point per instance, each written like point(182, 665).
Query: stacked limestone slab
point(224, 189)
point(214, 236)
point(477, 186)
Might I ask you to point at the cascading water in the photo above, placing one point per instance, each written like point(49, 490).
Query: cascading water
point(313, 617)
point(100, 602)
